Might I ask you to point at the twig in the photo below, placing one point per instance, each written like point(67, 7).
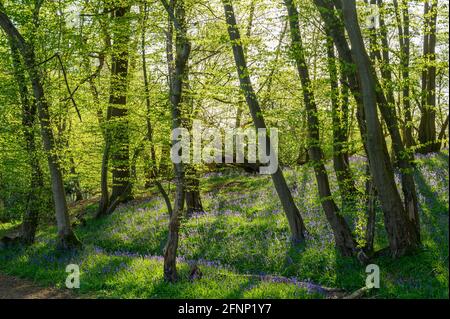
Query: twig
point(56, 55)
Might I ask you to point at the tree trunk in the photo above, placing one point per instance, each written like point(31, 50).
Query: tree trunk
point(341, 164)
point(120, 140)
point(31, 215)
point(193, 199)
point(386, 105)
point(248, 34)
point(343, 237)
point(401, 232)
point(370, 213)
point(152, 172)
point(76, 180)
point(427, 126)
point(335, 28)
point(176, 76)
point(67, 238)
point(404, 40)
point(295, 220)
point(104, 198)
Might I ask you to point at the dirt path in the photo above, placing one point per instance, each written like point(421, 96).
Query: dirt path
point(17, 288)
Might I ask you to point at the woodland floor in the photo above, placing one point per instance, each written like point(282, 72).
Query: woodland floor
point(18, 288)
point(241, 244)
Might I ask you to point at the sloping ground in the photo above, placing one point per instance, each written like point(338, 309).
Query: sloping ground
point(17, 288)
point(241, 244)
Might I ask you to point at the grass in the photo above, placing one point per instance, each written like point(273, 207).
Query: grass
point(242, 237)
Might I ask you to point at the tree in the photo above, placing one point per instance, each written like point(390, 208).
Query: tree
point(31, 215)
point(116, 135)
point(427, 126)
point(120, 157)
point(402, 19)
point(66, 236)
point(182, 51)
point(342, 233)
point(339, 114)
point(293, 215)
point(402, 235)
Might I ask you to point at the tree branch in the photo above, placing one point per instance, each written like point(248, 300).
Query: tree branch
point(169, 10)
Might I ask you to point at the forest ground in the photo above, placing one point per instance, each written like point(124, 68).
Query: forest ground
point(18, 288)
point(241, 244)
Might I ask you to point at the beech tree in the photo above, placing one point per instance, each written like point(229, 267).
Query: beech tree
point(177, 14)
point(293, 215)
point(117, 137)
point(67, 238)
point(402, 233)
point(107, 81)
point(342, 234)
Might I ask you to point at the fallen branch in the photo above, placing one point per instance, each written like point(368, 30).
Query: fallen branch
point(311, 287)
point(357, 294)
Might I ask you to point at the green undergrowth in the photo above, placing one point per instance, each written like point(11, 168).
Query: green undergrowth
point(241, 238)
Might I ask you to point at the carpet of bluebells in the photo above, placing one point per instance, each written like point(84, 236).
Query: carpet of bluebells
point(241, 244)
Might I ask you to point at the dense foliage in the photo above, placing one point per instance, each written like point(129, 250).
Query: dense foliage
point(358, 90)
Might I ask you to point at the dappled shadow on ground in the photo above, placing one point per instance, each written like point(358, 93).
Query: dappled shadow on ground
point(246, 234)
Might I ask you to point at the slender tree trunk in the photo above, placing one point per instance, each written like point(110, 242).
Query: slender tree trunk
point(76, 181)
point(334, 27)
point(152, 173)
point(73, 183)
point(193, 199)
point(104, 198)
point(404, 40)
point(67, 238)
point(293, 215)
point(343, 237)
point(384, 57)
point(31, 215)
point(182, 52)
point(401, 232)
point(248, 33)
point(152, 167)
point(339, 116)
point(443, 130)
point(103, 123)
point(427, 126)
point(370, 212)
point(386, 105)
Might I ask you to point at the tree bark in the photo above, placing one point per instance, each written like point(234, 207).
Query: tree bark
point(427, 126)
point(182, 52)
point(404, 40)
point(295, 220)
point(401, 232)
point(152, 173)
point(193, 199)
point(343, 237)
point(386, 104)
point(370, 213)
point(341, 164)
point(334, 27)
point(120, 140)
